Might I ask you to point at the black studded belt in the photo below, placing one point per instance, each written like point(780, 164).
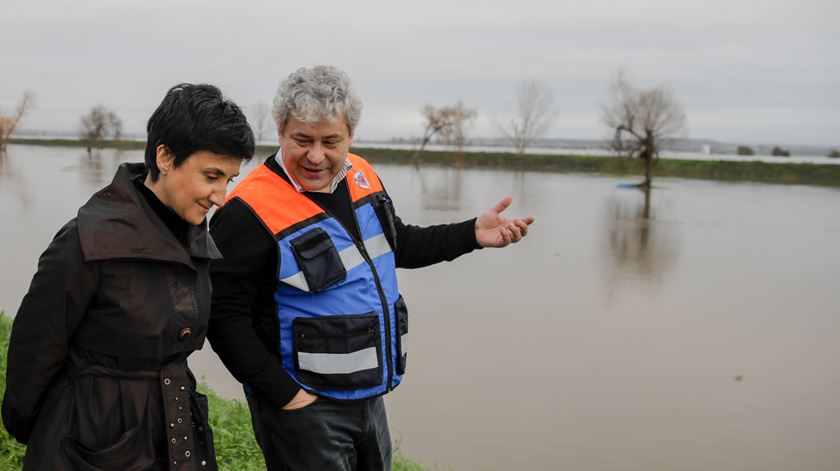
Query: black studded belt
point(188, 435)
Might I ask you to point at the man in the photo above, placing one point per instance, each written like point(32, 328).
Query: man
point(306, 312)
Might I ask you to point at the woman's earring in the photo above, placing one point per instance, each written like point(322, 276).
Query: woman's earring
point(163, 172)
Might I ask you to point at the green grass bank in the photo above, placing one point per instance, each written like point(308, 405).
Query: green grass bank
point(784, 173)
point(236, 449)
point(781, 173)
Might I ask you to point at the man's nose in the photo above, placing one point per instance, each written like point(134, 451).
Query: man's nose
point(316, 153)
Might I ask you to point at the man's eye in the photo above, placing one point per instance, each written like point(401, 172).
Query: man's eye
point(303, 142)
point(211, 178)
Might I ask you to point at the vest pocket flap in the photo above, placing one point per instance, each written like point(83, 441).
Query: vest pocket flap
point(311, 243)
point(338, 352)
point(318, 259)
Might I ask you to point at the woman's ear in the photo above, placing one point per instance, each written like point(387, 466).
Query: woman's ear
point(164, 159)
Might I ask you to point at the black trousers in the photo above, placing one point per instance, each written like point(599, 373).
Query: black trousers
point(325, 435)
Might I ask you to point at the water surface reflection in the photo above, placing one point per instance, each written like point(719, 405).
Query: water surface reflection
point(609, 339)
point(641, 242)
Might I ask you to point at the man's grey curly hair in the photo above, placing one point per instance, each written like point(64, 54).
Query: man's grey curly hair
point(320, 93)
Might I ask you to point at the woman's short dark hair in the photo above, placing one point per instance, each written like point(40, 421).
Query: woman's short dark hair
point(196, 117)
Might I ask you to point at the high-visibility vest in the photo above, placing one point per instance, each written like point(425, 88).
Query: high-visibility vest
point(341, 318)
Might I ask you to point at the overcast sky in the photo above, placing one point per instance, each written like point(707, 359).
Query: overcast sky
point(746, 71)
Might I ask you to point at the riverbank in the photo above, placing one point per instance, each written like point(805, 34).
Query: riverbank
point(720, 170)
point(236, 449)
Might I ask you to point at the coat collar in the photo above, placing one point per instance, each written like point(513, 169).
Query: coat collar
point(117, 222)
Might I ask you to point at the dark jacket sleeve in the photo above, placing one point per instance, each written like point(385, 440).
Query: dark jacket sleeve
point(419, 247)
point(243, 285)
point(58, 297)
point(423, 246)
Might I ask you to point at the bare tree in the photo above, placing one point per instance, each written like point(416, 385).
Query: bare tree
point(642, 120)
point(261, 120)
point(534, 115)
point(100, 123)
point(9, 123)
point(448, 122)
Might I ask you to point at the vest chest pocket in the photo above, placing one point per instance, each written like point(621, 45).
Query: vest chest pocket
point(384, 210)
point(402, 330)
point(338, 352)
point(318, 259)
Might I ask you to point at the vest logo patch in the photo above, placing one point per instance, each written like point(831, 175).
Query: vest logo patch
point(360, 180)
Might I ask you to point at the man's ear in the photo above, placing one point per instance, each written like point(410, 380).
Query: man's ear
point(279, 127)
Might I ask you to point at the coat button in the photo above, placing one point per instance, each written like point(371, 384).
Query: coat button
point(184, 334)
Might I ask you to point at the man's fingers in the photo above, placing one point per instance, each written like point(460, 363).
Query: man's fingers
point(502, 205)
point(522, 224)
point(506, 235)
point(514, 231)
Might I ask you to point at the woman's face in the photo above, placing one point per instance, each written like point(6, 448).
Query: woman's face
point(200, 182)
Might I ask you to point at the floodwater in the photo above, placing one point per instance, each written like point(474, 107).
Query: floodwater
point(705, 337)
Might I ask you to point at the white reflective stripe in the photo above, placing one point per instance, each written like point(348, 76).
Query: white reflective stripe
point(297, 280)
point(338, 363)
point(403, 348)
point(377, 245)
point(350, 258)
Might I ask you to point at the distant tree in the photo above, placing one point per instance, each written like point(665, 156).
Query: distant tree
point(641, 120)
point(447, 122)
point(261, 120)
point(834, 153)
point(9, 123)
point(100, 123)
point(534, 115)
point(779, 152)
point(745, 150)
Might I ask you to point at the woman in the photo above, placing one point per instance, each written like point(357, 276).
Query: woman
point(97, 377)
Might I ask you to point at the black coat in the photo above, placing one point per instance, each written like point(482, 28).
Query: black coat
point(97, 376)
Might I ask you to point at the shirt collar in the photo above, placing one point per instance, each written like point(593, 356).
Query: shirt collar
point(333, 185)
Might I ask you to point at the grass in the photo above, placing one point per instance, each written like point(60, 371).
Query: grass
point(782, 173)
point(11, 452)
point(236, 449)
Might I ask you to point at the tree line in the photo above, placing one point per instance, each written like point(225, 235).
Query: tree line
point(641, 121)
point(96, 126)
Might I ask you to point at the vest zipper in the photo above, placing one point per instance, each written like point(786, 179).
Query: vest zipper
point(386, 311)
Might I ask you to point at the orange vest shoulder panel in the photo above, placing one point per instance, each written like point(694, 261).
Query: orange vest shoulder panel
point(279, 205)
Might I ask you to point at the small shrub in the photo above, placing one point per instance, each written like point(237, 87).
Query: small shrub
point(779, 152)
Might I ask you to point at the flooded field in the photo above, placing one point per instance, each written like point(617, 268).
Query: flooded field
point(703, 337)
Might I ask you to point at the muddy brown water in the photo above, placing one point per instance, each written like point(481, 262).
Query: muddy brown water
point(705, 337)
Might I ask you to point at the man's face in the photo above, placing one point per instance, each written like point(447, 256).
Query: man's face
point(313, 154)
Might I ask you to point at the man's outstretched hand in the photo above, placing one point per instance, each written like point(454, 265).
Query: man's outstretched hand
point(494, 230)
